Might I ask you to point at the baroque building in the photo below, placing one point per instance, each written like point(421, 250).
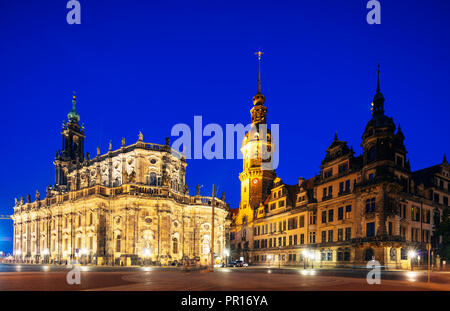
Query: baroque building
point(125, 207)
point(359, 208)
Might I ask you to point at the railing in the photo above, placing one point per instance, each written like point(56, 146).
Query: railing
point(127, 189)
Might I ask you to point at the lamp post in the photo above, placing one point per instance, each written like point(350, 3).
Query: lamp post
point(84, 253)
point(411, 255)
point(212, 226)
point(18, 252)
point(306, 256)
point(279, 256)
point(226, 253)
point(45, 252)
point(429, 260)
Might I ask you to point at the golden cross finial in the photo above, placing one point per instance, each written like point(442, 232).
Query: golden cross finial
point(259, 53)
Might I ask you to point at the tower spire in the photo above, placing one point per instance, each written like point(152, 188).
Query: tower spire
point(378, 99)
point(259, 53)
point(259, 98)
point(74, 100)
point(378, 79)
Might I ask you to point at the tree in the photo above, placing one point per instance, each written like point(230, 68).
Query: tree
point(444, 231)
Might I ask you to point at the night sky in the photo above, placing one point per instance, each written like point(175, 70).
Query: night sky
point(148, 65)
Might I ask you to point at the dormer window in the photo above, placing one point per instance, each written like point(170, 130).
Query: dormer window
point(343, 167)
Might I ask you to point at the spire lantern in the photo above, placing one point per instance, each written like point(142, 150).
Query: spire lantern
point(73, 115)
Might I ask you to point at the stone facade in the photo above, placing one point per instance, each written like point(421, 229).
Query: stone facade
point(360, 207)
point(128, 206)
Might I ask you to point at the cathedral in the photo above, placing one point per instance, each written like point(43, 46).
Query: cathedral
point(126, 207)
point(359, 208)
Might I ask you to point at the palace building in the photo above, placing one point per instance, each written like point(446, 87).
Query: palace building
point(359, 208)
point(125, 207)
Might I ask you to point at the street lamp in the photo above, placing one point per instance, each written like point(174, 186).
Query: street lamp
point(312, 257)
point(226, 252)
point(147, 253)
point(306, 255)
point(45, 252)
point(83, 253)
point(279, 256)
point(411, 255)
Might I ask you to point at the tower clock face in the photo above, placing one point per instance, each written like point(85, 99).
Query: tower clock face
point(255, 181)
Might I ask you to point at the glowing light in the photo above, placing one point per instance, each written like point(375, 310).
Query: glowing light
point(269, 271)
point(146, 269)
point(147, 252)
point(226, 252)
point(45, 252)
point(412, 254)
point(307, 254)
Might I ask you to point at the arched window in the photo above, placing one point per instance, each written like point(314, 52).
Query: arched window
point(152, 179)
point(175, 245)
point(393, 254)
point(118, 239)
point(368, 254)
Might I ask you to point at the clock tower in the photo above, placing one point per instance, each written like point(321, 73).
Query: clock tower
point(257, 175)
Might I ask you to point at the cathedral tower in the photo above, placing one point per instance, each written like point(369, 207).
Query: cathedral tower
point(72, 151)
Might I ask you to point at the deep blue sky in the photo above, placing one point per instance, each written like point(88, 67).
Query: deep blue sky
point(147, 65)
